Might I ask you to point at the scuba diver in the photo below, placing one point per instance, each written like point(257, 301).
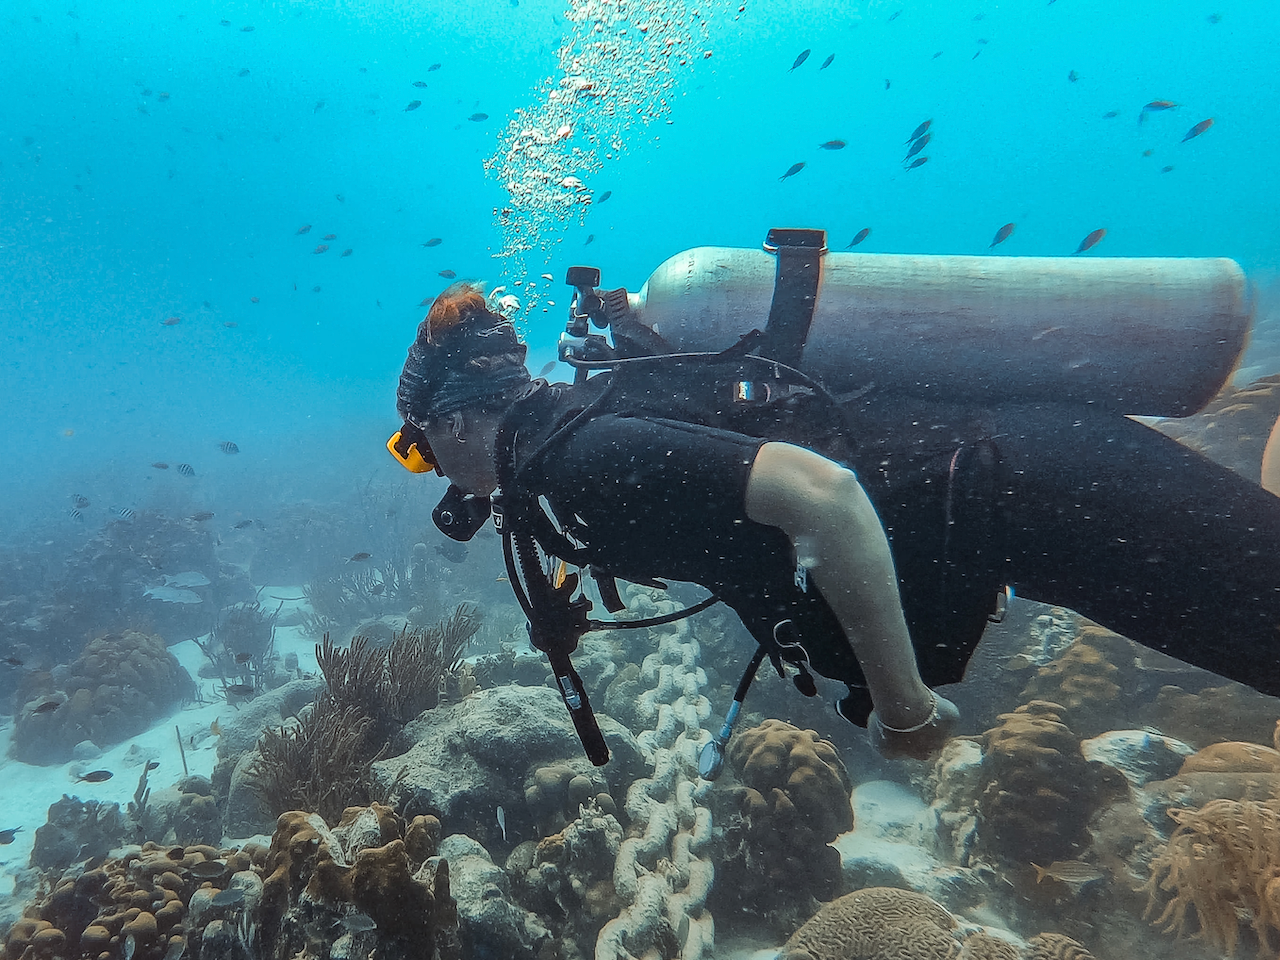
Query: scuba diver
point(865, 538)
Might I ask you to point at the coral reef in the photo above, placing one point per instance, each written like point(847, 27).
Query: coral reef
point(879, 923)
point(1040, 792)
point(240, 646)
point(119, 686)
point(792, 802)
point(1229, 712)
point(490, 922)
point(1086, 680)
point(76, 830)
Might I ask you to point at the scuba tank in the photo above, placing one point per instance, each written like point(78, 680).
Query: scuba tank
point(1148, 336)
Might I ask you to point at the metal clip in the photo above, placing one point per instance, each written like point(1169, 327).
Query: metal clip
point(801, 577)
point(572, 697)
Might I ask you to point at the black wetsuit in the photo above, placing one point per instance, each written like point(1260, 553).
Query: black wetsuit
point(1071, 505)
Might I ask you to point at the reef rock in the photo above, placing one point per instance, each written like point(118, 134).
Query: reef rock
point(491, 924)
point(77, 830)
point(1140, 755)
point(1230, 712)
point(1085, 680)
point(470, 758)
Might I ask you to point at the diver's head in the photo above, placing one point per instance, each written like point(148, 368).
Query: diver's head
point(464, 368)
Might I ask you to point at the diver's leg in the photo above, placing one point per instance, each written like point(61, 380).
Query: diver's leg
point(1145, 536)
point(824, 510)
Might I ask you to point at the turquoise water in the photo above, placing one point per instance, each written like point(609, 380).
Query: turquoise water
point(120, 207)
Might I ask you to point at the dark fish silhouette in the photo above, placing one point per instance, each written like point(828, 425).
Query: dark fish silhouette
point(228, 447)
point(1002, 234)
point(1155, 106)
point(248, 29)
point(420, 84)
point(80, 500)
point(1111, 115)
point(604, 196)
point(832, 145)
point(340, 198)
point(590, 239)
point(186, 470)
point(793, 170)
point(917, 162)
point(804, 55)
point(47, 707)
point(347, 252)
point(448, 274)
point(172, 321)
point(433, 242)
point(321, 248)
point(920, 131)
point(886, 83)
point(239, 689)
point(859, 237)
point(244, 72)
point(1198, 129)
point(6, 836)
point(1168, 169)
point(359, 557)
point(916, 147)
point(330, 236)
point(244, 656)
point(76, 514)
point(305, 228)
point(897, 13)
point(152, 765)
point(827, 62)
point(316, 288)
point(96, 776)
point(243, 523)
point(1072, 77)
point(200, 516)
point(547, 368)
point(433, 68)
point(413, 105)
point(477, 117)
point(15, 662)
point(1091, 240)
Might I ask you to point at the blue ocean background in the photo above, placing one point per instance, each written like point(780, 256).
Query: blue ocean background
point(143, 177)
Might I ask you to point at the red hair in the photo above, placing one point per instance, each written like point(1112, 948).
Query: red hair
point(458, 302)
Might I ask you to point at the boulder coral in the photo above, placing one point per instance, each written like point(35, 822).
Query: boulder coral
point(793, 800)
point(1040, 793)
point(119, 686)
point(1086, 680)
point(879, 923)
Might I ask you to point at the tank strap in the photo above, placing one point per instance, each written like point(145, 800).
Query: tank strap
point(795, 291)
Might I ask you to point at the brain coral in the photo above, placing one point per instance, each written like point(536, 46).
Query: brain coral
point(1040, 792)
point(793, 800)
point(878, 923)
point(118, 687)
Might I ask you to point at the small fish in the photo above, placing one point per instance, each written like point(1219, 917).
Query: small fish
point(186, 469)
point(6, 836)
point(47, 707)
point(1091, 240)
point(243, 657)
point(1147, 153)
point(1155, 106)
point(547, 368)
point(228, 447)
point(305, 228)
point(243, 523)
point(832, 145)
point(1168, 169)
point(76, 514)
point(792, 170)
point(1198, 129)
point(244, 72)
point(1214, 18)
point(318, 107)
point(1111, 115)
point(359, 923)
point(171, 321)
point(316, 288)
point(590, 239)
point(225, 23)
point(804, 55)
point(160, 465)
point(239, 689)
point(920, 144)
point(420, 84)
point(1069, 871)
point(919, 131)
point(321, 248)
point(447, 274)
point(1072, 77)
point(248, 29)
point(230, 324)
point(359, 557)
point(433, 68)
point(859, 237)
point(208, 869)
point(604, 196)
point(433, 242)
point(215, 729)
point(936, 55)
point(412, 105)
point(1002, 234)
point(827, 62)
point(253, 300)
point(152, 765)
point(426, 301)
point(15, 662)
point(228, 898)
point(347, 252)
point(502, 822)
point(340, 198)
point(330, 236)
point(80, 500)
point(886, 83)
point(894, 16)
point(917, 162)
point(201, 516)
point(477, 117)
point(96, 776)
point(124, 513)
